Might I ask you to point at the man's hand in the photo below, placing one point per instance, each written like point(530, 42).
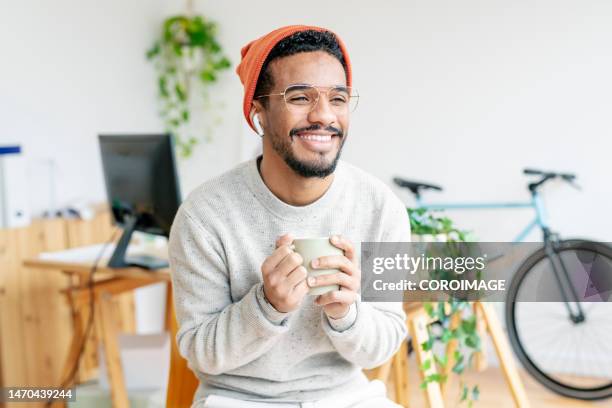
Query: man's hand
point(284, 277)
point(336, 303)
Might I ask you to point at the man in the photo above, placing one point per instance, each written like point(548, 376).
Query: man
point(248, 328)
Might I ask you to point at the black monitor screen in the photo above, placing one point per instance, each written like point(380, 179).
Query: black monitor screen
point(141, 180)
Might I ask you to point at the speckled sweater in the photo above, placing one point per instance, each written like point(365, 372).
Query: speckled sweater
point(237, 344)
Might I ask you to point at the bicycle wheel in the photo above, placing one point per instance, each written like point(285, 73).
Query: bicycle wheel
point(573, 359)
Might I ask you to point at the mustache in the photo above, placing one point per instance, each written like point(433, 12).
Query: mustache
point(311, 128)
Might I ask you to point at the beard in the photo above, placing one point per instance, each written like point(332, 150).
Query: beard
point(319, 167)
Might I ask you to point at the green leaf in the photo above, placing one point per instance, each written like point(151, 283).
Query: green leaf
point(198, 34)
point(447, 335)
point(429, 309)
point(153, 51)
point(427, 345)
point(442, 360)
point(475, 393)
point(185, 116)
point(163, 86)
point(181, 92)
point(469, 325)
point(178, 49)
point(433, 378)
point(214, 47)
point(171, 25)
point(455, 333)
point(441, 312)
point(208, 76)
point(223, 63)
point(464, 393)
point(473, 341)
point(458, 367)
point(426, 365)
point(186, 150)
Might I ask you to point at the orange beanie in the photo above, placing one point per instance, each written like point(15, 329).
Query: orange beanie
point(254, 55)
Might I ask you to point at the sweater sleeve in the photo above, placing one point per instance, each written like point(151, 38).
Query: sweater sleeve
point(215, 334)
point(374, 333)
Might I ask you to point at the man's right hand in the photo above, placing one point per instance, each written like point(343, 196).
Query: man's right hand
point(284, 276)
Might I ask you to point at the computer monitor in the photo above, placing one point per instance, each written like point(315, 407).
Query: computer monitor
point(142, 189)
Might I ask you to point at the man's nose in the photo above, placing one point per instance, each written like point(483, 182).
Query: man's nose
point(322, 113)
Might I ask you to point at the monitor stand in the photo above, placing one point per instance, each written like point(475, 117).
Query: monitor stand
point(120, 259)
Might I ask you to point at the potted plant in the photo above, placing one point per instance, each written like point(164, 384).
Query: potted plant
point(427, 226)
point(188, 58)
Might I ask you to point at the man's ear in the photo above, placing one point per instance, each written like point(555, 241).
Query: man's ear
point(258, 109)
point(257, 117)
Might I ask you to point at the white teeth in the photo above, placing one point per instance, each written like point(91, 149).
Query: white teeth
point(317, 138)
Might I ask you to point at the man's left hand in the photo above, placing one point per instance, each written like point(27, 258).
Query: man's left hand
point(336, 303)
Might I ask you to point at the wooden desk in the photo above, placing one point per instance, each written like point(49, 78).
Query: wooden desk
point(107, 283)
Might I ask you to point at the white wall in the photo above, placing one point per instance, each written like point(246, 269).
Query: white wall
point(460, 93)
point(70, 70)
point(463, 94)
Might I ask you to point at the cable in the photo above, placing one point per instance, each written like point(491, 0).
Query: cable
point(90, 321)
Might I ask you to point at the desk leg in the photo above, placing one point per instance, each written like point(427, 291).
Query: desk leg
point(78, 339)
point(88, 364)
point(108, 334)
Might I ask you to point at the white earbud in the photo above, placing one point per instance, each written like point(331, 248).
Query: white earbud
point(257, 125)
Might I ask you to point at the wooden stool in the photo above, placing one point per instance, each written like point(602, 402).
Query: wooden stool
point(417, 321)
point(182, 382)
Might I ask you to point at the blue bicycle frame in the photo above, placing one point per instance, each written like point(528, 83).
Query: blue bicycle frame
point(540, 219)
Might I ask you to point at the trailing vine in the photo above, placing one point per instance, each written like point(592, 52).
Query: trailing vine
point(187, 58)
point(464, 332)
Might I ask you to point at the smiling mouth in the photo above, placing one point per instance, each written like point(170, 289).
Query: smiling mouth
point(316, 138)
point(317, 143)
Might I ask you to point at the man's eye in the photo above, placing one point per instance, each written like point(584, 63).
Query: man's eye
point(299, 99)
point(338, 100)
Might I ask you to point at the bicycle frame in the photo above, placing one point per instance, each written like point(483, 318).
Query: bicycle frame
point(540, 219)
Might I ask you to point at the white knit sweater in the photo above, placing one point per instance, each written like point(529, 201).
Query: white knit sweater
point(236, 343)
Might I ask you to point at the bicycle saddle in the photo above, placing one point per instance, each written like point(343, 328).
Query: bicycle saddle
point(549, 174)
point(415, 186)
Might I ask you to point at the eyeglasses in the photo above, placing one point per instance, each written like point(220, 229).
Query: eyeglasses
point(303, 98)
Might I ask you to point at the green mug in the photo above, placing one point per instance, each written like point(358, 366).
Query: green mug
point(312, 248)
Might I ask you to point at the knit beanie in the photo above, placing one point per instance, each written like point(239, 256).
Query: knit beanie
point(254, 55)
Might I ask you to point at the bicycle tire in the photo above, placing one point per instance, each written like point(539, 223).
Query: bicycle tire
point(592, 393)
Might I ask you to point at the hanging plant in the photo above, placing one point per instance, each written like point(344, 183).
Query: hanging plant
point(465, 334)
point(187, 58)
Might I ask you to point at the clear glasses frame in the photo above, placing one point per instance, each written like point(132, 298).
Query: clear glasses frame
point(303, 98)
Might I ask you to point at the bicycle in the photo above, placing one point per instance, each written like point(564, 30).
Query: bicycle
point(580, 371)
